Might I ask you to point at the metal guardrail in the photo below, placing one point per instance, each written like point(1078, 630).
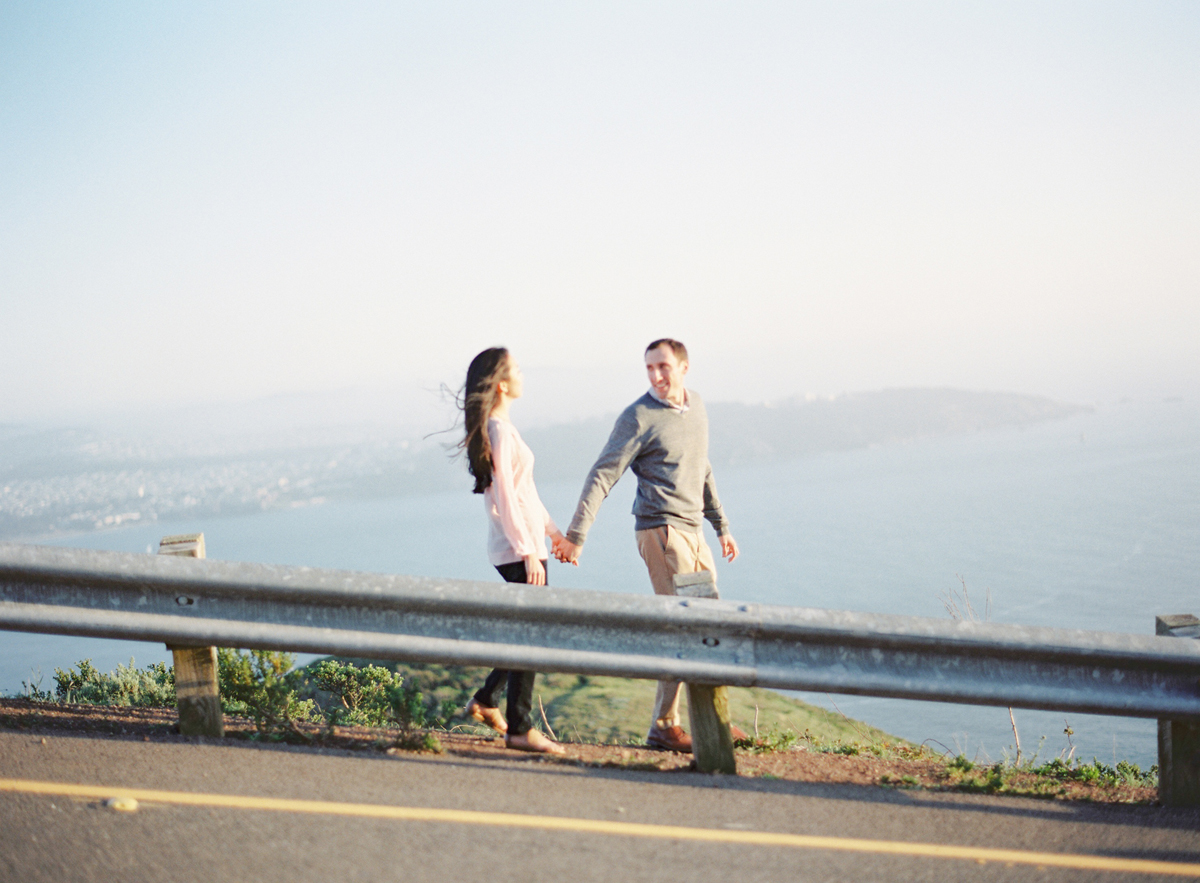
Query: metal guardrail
point(186, 601)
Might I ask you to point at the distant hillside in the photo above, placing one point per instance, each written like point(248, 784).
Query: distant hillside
point(795, 428)
point(749, 433)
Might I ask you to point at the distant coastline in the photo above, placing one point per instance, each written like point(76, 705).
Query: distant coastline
point(75, 480)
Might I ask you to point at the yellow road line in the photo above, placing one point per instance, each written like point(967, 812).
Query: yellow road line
point(620, 829)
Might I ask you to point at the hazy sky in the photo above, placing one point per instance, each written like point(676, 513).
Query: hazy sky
point(219, 202)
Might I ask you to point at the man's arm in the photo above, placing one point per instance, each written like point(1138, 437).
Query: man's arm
point(622, 447)
point(716, 516)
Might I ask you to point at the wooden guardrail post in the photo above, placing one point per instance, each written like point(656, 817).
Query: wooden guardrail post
point(708, 706)
point(197, 695)
point(1178, 741)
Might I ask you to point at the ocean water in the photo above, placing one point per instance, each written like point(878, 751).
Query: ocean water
point(1089, 522)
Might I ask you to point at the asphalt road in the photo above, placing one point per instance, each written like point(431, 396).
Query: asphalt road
point(243, 812)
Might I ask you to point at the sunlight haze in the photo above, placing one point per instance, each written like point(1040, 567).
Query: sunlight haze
point(227, 202)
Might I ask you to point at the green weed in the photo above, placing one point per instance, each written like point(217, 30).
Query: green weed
point(961, 764)
point(33, 689)
point(986, 781)
point(773, 741)
point(1124, 773)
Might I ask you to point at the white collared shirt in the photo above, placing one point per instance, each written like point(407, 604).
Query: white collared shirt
point(682, 409)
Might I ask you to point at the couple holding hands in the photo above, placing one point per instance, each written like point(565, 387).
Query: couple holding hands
point(663, 438)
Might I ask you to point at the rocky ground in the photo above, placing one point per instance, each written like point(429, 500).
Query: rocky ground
point(896, 767)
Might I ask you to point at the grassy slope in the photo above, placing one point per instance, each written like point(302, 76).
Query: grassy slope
point(616, 710)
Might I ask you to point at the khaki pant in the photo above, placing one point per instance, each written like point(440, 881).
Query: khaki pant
point(668, 551)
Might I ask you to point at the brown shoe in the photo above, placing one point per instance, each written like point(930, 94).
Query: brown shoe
point(669, 739)
point(485, 715)
point(533, 741)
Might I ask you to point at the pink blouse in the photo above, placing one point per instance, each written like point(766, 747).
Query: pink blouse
point(518, 523)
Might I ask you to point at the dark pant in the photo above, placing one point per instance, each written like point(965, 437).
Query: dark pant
point(520, 683)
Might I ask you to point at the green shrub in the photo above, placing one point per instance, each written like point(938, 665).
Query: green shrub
point(363, 695)
point(262, 685)
point(145, 687)
point(411, 714)
point(374, 696)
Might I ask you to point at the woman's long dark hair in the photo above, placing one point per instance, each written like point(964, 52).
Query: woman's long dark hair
point(477, 399)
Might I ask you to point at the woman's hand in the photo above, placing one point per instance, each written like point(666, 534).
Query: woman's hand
point(535, 571)
point(566, 551)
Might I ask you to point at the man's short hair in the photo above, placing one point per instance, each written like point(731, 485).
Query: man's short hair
point(677, 348)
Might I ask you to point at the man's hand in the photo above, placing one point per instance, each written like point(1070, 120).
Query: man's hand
point(729, 549)
point(566, 551)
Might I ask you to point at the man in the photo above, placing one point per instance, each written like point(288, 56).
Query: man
point(663, 437)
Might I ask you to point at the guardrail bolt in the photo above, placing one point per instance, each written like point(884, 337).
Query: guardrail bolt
point(197, 695)
point(1178, 741)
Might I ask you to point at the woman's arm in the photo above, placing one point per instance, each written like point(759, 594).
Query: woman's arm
point(508, 506)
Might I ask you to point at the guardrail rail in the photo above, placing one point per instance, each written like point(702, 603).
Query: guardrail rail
point(188, 602)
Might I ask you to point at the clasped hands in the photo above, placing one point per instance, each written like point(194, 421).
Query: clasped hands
point(564, 550)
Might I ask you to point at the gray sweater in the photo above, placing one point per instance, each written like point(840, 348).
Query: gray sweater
point(668, 452)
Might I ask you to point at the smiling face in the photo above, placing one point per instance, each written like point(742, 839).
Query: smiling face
point(666, 373)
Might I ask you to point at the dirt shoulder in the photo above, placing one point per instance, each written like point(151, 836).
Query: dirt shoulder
point(881, 766)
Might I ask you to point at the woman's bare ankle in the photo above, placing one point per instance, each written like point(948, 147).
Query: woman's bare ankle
point(533, 740)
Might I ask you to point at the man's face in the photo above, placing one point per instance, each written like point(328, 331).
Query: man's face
point(666, 373)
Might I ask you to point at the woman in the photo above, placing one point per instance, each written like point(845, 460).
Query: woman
point(502, 465)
